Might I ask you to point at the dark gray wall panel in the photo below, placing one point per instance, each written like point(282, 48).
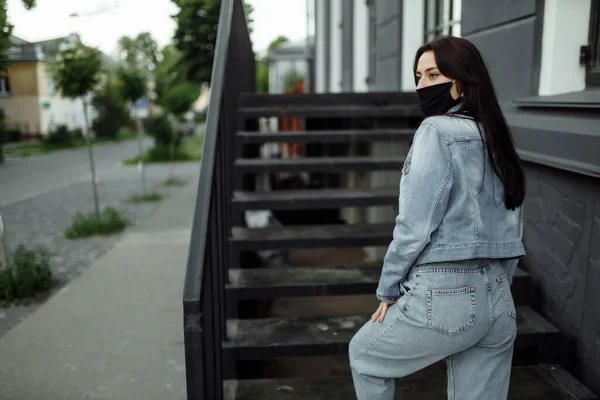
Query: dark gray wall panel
point(388, 38)
point(562, 238)
point(387, 9)
point(509, 53)
point(388, 75)
point(347, 45)
point(388, 45)
point(481, 14)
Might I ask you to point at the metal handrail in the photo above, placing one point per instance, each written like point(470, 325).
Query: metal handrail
point(202, 379)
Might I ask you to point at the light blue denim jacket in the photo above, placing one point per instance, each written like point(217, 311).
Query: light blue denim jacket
point(451, 204)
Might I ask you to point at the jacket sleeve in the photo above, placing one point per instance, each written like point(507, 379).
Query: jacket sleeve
point(422, 206)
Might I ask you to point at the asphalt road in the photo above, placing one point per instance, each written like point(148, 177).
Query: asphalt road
point(24, 178)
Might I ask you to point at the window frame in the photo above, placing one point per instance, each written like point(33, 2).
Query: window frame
point(591, 53)
point(446, 19)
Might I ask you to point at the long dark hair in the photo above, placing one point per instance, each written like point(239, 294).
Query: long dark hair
point(459, 59)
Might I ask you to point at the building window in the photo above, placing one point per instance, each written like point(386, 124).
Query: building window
point(4, 86)
point(591, 52)
point(442, 18)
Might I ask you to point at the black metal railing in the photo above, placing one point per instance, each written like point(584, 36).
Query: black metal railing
point(209, 255)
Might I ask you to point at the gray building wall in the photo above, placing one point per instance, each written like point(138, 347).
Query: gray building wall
point(562, 238)
point(508, 34)
point(388, 45)
point(562, 208)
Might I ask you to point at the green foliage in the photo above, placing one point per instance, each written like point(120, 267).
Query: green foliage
point(6, 29)
point(109, 222)
point(179, 99)
point(262, 76)
point(147, 198)
point(60, 137)
point(111, 111)
point(169, 72)
point(195, 36)
point(140, 52)
point(162, 130)
point(14, 135)
point(28, 274)
point(133, 83)
point(277, 41)
point(76, 70)
point(172, 181)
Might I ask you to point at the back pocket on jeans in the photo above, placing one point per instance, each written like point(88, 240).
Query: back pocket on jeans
point(451, 311)
point(504, 288)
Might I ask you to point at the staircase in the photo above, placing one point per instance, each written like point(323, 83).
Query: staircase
point(227, 347)
point(538, 342)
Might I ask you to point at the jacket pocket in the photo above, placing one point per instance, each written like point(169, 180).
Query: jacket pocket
point(451, 311)
point(504, 287)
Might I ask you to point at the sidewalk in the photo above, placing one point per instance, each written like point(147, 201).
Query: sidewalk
point(115, 332)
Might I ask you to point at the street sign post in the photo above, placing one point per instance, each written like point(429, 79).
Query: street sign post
point(138, 111)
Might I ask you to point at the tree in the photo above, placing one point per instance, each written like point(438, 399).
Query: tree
point(110, 110)
point(133, 83)
point(140, 52)
point(77, 72)
point(262, 76)
point(179, 99)
point(169, 72)
point(6, 29)
point(196, 34)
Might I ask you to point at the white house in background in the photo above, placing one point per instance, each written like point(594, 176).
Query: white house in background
point(27, 91)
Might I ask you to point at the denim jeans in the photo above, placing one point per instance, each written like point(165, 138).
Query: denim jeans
point(461, 312)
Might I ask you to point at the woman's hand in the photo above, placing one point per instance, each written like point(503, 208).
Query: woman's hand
point(380, 313)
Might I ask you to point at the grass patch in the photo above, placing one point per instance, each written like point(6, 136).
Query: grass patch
point(148, 197)
point(172, 181)
point(26, 149)
point(83, 225)
point(189, 150)
point(27, 275)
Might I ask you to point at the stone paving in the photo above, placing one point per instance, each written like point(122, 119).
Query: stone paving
point(40, 222)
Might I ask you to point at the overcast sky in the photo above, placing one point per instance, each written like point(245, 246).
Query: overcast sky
point(102, 29)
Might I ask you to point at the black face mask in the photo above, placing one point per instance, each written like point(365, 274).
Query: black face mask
point(436, 99)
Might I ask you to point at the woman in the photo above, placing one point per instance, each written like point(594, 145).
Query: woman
point(445, 284)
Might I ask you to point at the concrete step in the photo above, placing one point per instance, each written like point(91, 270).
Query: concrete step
point(265, 283)
point(331, 111)
point(328, 136)
point(314, 199)
point(317, 164)
point(543, 382)
point(270, 338)
point(312, 236)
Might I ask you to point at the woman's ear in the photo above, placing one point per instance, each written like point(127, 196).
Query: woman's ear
point(455, 91)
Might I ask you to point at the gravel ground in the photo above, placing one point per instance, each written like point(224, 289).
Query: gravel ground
point(40, 223)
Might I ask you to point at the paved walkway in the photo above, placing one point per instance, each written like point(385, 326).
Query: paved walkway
point(116, 331)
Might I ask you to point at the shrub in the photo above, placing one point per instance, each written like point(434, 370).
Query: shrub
point(83, 226)
point(147, 198)
point(28, 274)
point(112, 112)
point(60, 137)
point(161, 128)
point(14, 135)
point(172, 181)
